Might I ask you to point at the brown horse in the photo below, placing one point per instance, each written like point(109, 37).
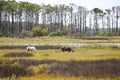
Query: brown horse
point(67, 48)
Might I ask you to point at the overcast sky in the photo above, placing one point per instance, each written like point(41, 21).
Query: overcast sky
point(89, 4)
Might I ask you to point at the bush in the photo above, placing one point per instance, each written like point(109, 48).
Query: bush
point(59, 33)
point(37, 31)
point(106, 33)
point(27, 33)
point(44, 32)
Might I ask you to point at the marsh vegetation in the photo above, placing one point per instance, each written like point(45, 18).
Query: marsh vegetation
point(87, 62)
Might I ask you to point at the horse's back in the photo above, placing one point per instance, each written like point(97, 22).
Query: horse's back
point(67, 48)
point(30, 48)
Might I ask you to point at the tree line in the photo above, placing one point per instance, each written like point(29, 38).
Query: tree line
point(30, 19)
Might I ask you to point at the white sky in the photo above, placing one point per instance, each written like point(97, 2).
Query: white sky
point(89, 4)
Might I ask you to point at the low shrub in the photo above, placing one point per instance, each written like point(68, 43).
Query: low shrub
point(27, 33)
point(58, 33)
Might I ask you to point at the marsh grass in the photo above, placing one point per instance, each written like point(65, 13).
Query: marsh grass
point(91, 63)
point(99, 68)
point(59, 77)
point(7, 70)
point(100, 46)
point(18, 54)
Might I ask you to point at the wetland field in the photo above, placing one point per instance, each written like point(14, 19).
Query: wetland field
point(89, 62)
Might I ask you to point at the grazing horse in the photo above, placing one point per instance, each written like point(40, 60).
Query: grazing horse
point(30, 48)
point(67, 48)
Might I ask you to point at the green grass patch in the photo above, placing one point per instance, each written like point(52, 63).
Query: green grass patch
point(79, 54)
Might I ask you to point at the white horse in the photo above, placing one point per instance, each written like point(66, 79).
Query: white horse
point(30, 48)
